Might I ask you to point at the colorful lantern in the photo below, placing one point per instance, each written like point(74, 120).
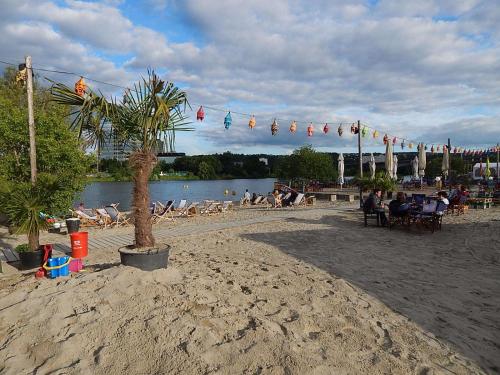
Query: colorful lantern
point(251, 123)
point(354, 129)
point(340, 130)
point(375, 133)
point(293, 127)
point(80, 87)
point(386, 139)
point(410, 145)
point(438, 148)
point(326, 129)
point(310, 130)
point(394, 140)
point(364, 132)
point(200, 115)
point(274, 127)
point(228, 120)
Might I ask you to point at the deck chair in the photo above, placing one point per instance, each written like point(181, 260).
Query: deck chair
point(227, 206)
point(210, 208)
point(299, 200)
point(189, 210)
point(118, 218)
point(104, 217)
point(182, 205)
point(167, 213)
point(257, 200)
point(87, 218)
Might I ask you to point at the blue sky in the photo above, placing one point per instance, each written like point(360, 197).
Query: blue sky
point(423, 70)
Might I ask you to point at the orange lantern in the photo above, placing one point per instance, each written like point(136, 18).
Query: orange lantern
point(293, 127)
point(80, 87)
point(251, 123)
point(310, 130)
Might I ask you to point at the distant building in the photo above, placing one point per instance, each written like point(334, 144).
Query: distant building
point(264, 160)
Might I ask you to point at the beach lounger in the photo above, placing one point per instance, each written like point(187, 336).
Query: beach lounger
point(87, 218)
point(210, 208)
point(167, 213)
point(299, 200)
point(182, 205)
point(190, 210)
point(104, 217)
point(257, 200)
point(118, 218)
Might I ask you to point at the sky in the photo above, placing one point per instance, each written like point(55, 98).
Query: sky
point(422, 70)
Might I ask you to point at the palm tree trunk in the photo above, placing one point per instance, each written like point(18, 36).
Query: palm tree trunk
point(142, 163)
point(34, 241)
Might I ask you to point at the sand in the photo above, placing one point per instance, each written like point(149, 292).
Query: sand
point(313, 292)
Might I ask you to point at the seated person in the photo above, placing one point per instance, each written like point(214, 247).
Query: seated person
point(398, 207)
point(373, 204)
point(277, 198)
point(246, 198)
point(443, 197)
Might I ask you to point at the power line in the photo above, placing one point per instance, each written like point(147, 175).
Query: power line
point(339, 123)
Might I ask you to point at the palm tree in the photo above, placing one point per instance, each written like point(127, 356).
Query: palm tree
point(152, 111)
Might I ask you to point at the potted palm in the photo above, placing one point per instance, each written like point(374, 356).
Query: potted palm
point(23, 207)
point(149, 113)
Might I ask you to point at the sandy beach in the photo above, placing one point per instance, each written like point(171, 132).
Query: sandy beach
point(255, 291)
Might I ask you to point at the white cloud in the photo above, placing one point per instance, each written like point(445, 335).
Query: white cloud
point(408, 67)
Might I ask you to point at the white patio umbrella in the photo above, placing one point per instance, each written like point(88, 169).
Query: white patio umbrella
point(395, 167)
point(341, 170)
point(446, 162)
point(422, 163)
point(389, 161)
point(372, 166)
point(414, 165)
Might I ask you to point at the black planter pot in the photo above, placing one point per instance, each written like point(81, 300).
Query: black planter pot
point(145, 260)
point(31, 259)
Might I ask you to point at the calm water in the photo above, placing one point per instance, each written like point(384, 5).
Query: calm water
point(99, 194)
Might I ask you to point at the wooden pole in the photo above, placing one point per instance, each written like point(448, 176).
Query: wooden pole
point(449, 164)
point(31, 119)
point(360, 154)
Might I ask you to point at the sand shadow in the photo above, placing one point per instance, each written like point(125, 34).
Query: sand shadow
point(449, 290)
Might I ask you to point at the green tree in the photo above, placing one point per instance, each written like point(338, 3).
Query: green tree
point(206, 171)
point(61, 161)
point(306, 163)
point(150, 112)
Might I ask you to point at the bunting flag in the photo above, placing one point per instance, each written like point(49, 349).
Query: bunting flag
point(375, 134)
point(200, 115)
point(364, 132)
point(251, 123)
point(310, 130)
point(228, 120)
point(80, 87)
point(274, 127)
point(326, 129)
point(340, 130)
point(293, 127)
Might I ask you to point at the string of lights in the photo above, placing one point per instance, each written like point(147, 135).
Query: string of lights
point(364, 128)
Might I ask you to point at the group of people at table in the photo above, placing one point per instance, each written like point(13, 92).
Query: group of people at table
point(403, 206)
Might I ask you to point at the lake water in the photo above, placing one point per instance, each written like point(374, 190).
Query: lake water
point(99, 194)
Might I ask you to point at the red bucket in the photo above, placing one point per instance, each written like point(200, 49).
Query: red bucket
point(79, 244)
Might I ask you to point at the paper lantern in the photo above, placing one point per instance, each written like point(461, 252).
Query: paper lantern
point(80, 87)
point(310, 130)
point(386, 139)
point(394, 140)
point(228, 120)
point(354, 129)
point(200, 115)
point(340, 130)
point(251, 123)
point(293, 127)
point(326, 129)
point(274, 127)
point(364, 132)
point(410, 145)
point(375, 133)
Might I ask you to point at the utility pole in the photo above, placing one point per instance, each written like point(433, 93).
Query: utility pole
point(449, 164)
point(498, 152)
point(31, 118)
point(360, 165)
